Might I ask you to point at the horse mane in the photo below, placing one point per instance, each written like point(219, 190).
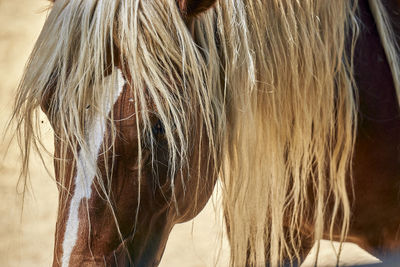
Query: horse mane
point(272, 81)
point(292, 121)
point(388, 38)
point(292, 118)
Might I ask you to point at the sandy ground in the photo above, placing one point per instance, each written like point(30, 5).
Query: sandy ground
point(26, 238)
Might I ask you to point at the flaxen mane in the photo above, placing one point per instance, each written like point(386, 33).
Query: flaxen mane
point(291, 130)
point(272, 80)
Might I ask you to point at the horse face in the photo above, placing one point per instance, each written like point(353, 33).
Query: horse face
point(144, 211)
point(130, 224)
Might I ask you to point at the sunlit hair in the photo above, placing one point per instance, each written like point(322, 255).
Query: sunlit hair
point(388, 38)
point(270, 81)
point(291, 122)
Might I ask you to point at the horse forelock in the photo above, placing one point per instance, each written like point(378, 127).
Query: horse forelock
point(82, 41)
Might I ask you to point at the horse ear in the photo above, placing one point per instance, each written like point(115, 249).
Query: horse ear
point(192, 8)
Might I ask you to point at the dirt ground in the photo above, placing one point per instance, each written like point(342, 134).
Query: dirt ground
point(26, 239)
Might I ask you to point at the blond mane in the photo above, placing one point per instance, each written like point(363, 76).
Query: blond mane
point(291, 124)
point(269, 80)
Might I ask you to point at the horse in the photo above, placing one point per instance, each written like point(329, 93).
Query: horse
point(152, 101)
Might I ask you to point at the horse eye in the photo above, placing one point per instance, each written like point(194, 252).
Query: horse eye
point(158, 128)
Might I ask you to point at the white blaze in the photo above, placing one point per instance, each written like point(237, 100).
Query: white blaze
point(85, 174)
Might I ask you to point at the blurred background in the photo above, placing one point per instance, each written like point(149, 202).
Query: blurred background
point(26, 235)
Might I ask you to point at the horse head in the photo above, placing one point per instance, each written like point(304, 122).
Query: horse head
point(124, 85)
